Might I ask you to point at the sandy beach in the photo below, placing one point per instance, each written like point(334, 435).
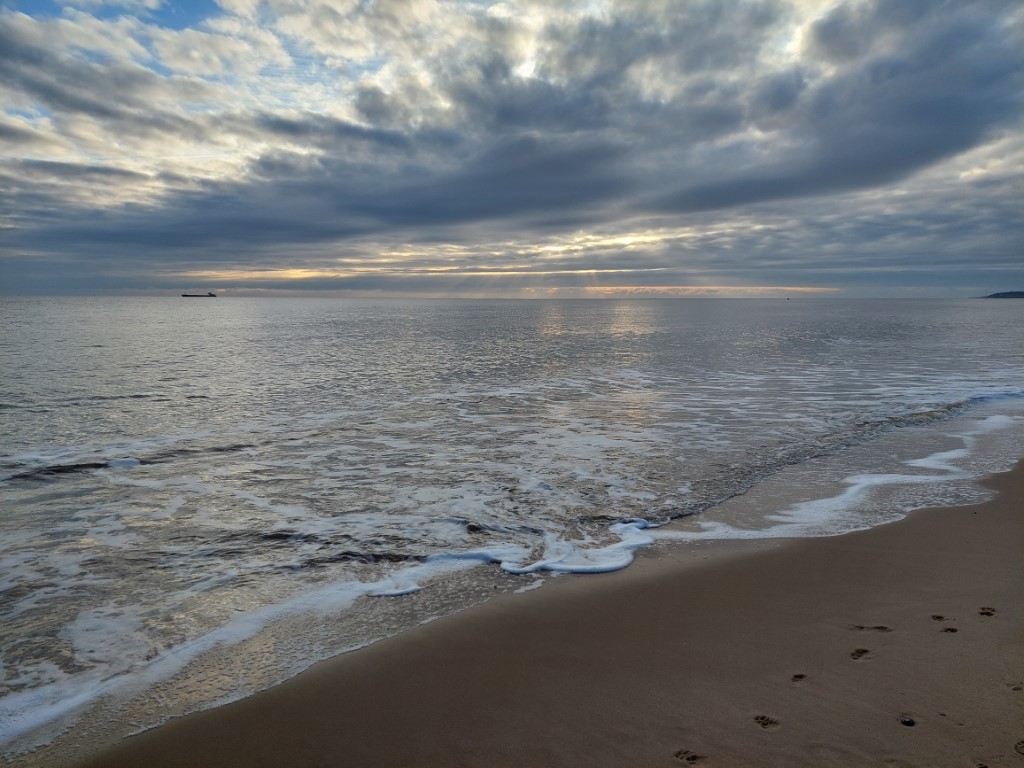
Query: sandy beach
point(902, 645)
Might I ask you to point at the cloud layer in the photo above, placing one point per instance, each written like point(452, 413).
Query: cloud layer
point(514, 148)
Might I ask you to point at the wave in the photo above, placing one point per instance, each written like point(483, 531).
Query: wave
point(717, 489)
point(54, 470)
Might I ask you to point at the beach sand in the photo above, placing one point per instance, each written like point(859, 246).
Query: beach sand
point(898, 646)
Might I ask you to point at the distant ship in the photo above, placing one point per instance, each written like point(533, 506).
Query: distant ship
point(209, 295)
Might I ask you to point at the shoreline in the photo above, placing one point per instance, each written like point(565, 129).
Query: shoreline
point(872, 646)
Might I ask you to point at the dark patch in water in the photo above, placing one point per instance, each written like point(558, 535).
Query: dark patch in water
point(160, 458)
point(48, 472)
point(353, 556)
point(278, 535)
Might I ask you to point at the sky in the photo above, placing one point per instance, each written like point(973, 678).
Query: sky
point(512, 149)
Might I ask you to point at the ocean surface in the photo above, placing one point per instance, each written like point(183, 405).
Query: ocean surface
point(200, 498)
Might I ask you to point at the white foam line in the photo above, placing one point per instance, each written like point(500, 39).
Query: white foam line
point(561, 556)
point(825, 517)
point(537, 584)
point(941, 462)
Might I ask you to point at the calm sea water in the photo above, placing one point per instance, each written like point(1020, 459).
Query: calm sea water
point(201, 497)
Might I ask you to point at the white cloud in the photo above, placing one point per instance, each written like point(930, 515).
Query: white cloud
point(195, 52)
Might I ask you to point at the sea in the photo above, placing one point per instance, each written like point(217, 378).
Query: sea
point(200, 498)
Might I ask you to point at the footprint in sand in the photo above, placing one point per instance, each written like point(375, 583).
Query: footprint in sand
point(798, 677)
point(1019, 747)
point(950, 629)
point(766, 722)
point(688, 756)
point(876, 628)
point(938, 617)
point(986, 611)
point(861, 653)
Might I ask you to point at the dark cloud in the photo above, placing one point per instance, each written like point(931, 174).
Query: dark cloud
point(77, 84)
point(776, 94)
point(50, 168)
point(325, 131)
point(512, 178)
point(302, 200)
point(12, 135)
point(939, 88)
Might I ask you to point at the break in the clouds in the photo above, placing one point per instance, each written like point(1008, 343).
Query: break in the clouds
point(419, 147)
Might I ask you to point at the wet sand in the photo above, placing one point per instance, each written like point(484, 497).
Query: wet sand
point(901, 646)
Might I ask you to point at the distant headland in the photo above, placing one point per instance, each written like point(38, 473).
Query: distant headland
point(1005, 295)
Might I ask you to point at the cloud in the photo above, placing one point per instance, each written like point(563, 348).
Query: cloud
point(15, 131)
point(717, 143)
point(911, 91)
